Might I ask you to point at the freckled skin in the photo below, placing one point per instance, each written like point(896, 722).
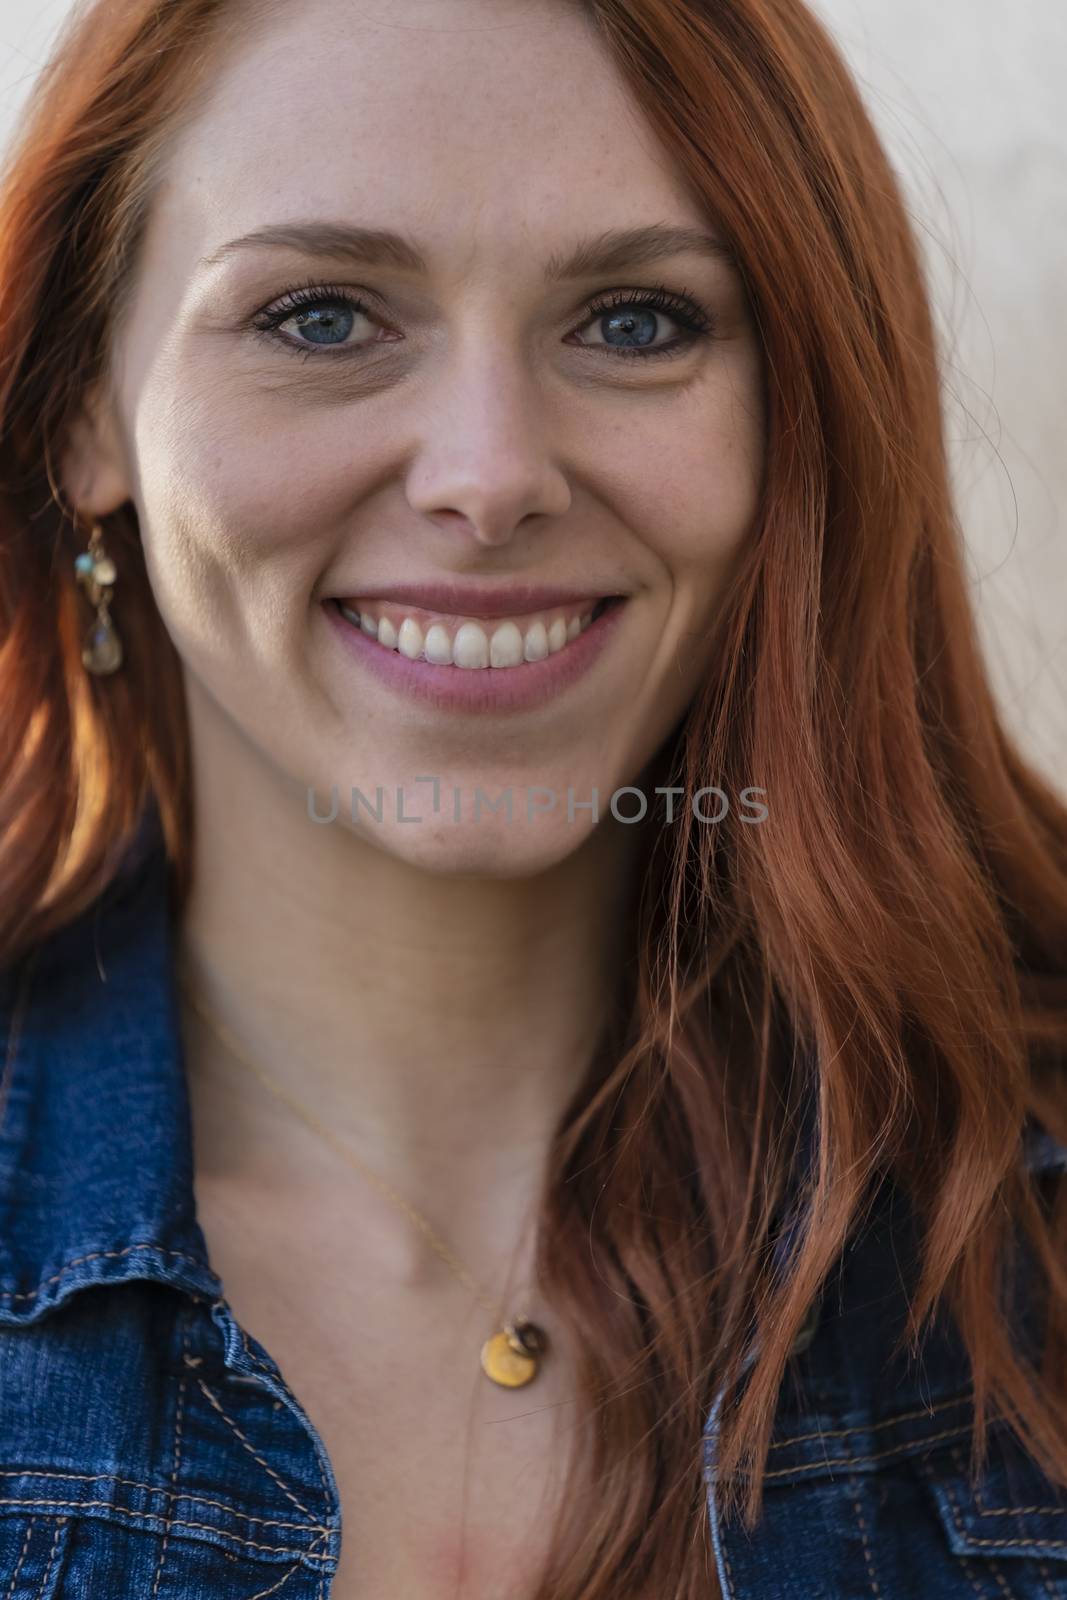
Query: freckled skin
point(474, 441)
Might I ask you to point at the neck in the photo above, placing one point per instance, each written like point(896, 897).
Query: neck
point(438, 1024)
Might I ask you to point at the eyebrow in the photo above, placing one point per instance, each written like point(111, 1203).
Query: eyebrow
point(606, 252)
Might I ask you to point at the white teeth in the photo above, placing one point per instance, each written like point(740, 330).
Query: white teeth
point(505, 647)
point(536, 646)
point(409, 640)
point(472, 647)
point(438, 645)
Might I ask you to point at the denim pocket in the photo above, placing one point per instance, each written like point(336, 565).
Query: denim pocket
point(862, 1506)
point(1009, 1527)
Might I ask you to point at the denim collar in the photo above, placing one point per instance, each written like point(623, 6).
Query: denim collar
point(95, 1134)
point(95, 1131)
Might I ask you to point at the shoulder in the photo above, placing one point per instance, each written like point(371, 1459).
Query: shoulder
point(868, 1488)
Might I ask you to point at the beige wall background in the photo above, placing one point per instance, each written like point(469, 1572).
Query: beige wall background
point(968, 96)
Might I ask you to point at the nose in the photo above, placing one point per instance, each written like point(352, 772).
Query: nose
point(486, 466)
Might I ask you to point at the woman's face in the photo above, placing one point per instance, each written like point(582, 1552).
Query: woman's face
point(473, 424)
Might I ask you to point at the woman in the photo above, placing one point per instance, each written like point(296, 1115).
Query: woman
point(534, 973)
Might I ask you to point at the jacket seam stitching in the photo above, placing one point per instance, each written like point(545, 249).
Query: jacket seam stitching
point(1016, 1511)
point(311, 1522)
point(274, 1587)
point(874, 1427)
point(152, 1488)
point(867, 1558)
point(1046, 1580)
point(205, 1527)
point(324, 1537)
point(1024, 1544)
point(98, 1255)
point(177, 1459)
point(60, 1525)
point(863, 1461)
point(21, 1559)
point(982, 1509)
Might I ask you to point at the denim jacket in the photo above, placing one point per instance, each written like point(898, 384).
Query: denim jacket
point(151, 1447)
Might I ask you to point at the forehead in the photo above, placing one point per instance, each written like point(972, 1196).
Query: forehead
point(475, 124)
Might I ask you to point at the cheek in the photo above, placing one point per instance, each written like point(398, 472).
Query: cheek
point(696, 494)
point(702, 513)
point(231, 523)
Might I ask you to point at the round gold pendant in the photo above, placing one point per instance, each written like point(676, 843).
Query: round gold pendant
point(510, 1356)
point(506, 1365)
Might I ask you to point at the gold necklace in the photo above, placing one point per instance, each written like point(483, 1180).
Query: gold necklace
point(510, 1356)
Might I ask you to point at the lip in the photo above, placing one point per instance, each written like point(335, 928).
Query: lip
point(487, 600)
point(488, 690)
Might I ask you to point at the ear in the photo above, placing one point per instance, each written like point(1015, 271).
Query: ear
point(93, 470)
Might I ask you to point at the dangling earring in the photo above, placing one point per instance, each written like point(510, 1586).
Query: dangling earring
point(95, 571)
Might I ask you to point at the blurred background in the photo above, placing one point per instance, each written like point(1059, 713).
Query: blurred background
point(968, 96)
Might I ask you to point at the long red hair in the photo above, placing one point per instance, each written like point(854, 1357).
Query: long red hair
point(888, 950)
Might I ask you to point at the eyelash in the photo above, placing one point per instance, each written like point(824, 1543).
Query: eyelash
point(697, 322)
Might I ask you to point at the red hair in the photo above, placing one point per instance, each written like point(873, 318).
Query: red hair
point(888, 950)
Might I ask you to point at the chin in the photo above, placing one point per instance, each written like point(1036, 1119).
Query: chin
point(490, 848)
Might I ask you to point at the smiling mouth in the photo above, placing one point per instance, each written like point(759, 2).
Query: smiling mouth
point(469, 642)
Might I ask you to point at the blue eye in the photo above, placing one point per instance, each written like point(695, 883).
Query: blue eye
point(651, 306)
point(325, 317)
point(324, 322)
